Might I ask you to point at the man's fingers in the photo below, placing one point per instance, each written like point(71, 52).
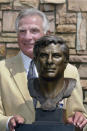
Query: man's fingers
point(12, 124)
point(19, 119)
point(79, 120)
point(14, 121)
point(76, 118)
point(70, 120)
point(83, 123)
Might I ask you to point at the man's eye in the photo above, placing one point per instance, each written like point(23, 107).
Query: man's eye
point(22, 31)
point(35, 31)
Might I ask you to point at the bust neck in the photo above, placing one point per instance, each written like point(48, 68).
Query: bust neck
point(51, 88)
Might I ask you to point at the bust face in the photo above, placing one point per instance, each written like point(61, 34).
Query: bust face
point(50, 61)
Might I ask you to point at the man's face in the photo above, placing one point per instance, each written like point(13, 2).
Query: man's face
point(50, 62)
point(30, 29)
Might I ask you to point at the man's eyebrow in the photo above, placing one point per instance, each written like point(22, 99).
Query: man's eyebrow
point(22, 28)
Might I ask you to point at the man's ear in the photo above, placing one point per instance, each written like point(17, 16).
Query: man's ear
point(48, 32)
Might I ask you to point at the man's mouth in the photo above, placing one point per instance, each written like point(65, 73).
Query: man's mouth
point(29, 44)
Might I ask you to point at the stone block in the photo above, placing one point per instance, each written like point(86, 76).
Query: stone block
point(66, 28)
point(47, 7)
point(84, 84)
point(51, 18)
point(2, 50)
point(31, 3)
point(85, 102)
point(66, 18)
point(22, 4)
point(13, 35)
point(11, 52)
point(17, 5)
point(78, 58)
point(12, 45)
point(77, 5)
point(69, 38)
point(61, 8)
point(9, 21)
point(83, 71)
point(8, 40)
point(6, 6)
point(85, 96)
point(82, 52)
point(53, 1)
point(72, 51)
point(0, 26)
point(0, 14)
point(63, 17)
point(81, 31)
point(4, 1)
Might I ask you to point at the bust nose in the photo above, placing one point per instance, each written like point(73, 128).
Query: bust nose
point(49, 60)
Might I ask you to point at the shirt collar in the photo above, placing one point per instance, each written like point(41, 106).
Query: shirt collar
point(26, 61)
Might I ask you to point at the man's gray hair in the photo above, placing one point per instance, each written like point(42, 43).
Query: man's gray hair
point(33, 12)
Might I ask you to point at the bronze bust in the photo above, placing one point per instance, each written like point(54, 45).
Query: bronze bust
point(51, 55)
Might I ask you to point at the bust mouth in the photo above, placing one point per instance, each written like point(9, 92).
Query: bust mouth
point(50, 69)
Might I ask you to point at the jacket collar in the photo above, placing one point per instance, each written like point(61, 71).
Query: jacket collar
point(16, 68)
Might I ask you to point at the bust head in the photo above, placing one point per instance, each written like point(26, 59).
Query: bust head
point(51, 56)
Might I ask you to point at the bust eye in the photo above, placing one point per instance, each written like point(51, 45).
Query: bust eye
point(56, 55)
point(43, 55)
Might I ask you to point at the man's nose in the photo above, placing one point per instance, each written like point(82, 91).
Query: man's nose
point(28, 35)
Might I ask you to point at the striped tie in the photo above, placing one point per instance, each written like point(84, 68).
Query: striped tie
point(31, 76)
point(31, 72)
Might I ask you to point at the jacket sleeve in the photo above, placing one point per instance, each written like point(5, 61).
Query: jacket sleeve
point(75, 102)
point(3, 118)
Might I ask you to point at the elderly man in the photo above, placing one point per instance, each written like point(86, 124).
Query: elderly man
point(16, 104)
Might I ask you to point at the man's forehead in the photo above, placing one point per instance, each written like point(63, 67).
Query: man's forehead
point(27, 26)
point(30, 19)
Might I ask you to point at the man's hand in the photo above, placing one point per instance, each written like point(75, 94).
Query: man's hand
point(14, 121)
point(78, 120)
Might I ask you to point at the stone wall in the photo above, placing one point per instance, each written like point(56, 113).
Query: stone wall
point(68, 19)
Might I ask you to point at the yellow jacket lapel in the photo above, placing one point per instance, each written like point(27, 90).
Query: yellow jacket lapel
point(17, 70)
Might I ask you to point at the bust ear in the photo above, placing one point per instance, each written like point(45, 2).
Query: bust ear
point(34, 59)
point(66, 61)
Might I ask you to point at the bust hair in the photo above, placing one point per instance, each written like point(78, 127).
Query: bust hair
point(47, 40)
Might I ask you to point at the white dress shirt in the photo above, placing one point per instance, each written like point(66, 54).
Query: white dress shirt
point(26, 61)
